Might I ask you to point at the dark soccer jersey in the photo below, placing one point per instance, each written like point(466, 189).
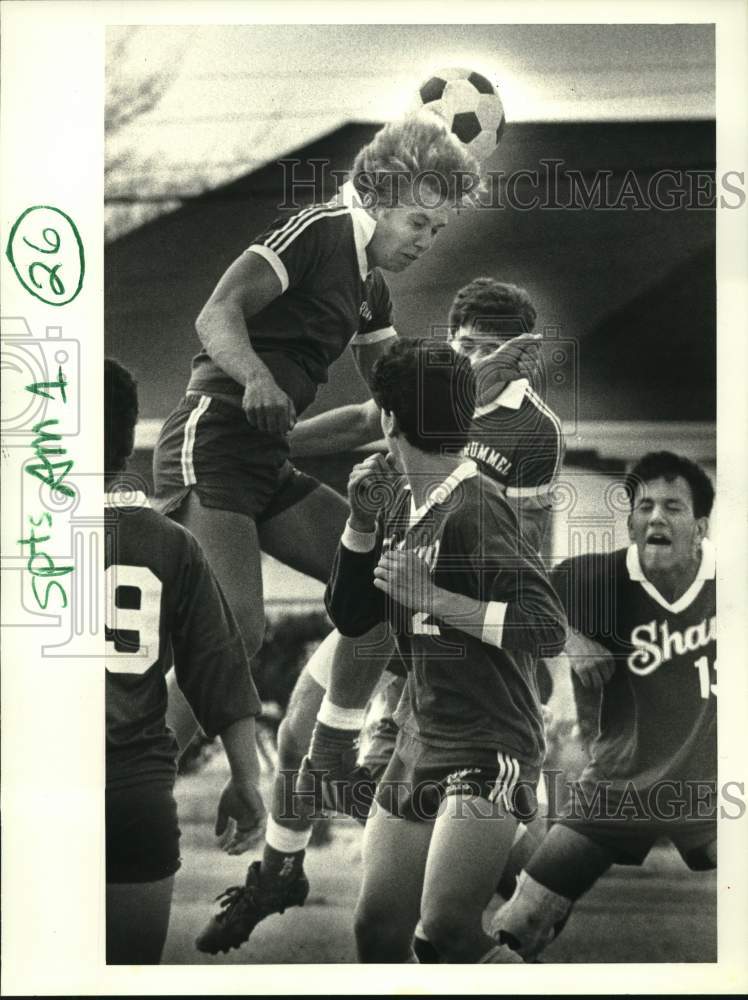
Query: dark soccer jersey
point(461, 691)
point(161, 598)
point(517, 440)
point(328, 301)
point(658, 712)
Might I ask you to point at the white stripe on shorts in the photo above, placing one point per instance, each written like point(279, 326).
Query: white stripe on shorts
point(188, 444)
point(506, 779)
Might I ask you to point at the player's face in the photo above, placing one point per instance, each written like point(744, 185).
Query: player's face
point(404, 234)
point(663, 526)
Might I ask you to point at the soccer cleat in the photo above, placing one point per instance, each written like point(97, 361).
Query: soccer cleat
point(243, 907)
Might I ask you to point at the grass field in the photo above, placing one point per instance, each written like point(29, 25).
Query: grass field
point(660, 912)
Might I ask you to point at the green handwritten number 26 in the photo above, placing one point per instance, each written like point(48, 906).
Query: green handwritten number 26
point(61, 246)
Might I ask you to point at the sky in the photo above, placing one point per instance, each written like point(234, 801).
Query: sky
point(240, 95)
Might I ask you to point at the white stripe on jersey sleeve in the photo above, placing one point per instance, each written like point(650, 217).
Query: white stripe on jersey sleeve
point(530, 491)
point(294, 222)
point(273, 260)
point(374, 336)
point(493, 623)
point(279, 245)
point(543, 407)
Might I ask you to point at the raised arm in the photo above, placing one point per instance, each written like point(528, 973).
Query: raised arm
point(353, 603)
point(248, 285)
point(337, 430)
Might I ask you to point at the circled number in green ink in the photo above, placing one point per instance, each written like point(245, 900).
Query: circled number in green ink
point(46, 252)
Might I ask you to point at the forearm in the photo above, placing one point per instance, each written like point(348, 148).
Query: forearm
point(222, 330)
point(240, 743)
point(337, 430)
point(504, 624)
point(353, 603)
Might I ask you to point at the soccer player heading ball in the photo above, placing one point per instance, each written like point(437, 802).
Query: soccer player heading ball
point(282, 313)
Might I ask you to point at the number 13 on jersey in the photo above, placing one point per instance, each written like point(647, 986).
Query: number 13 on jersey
point(707, 688)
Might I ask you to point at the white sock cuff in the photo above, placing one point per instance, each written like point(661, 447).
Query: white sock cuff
point(500, 954)
point(340, 718)
point(280, 838)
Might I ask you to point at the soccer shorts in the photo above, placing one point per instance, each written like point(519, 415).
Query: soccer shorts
point(207, 445)
point(142, 833)
point(382, 742)
point(629, 838)
point(419, 777)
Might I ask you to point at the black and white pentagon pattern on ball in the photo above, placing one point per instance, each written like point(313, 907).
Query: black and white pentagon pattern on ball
point(470, 105)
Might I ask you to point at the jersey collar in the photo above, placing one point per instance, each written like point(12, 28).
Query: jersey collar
point(126, 499)
point(707, 571)
point(511, 398)
point(363, 225)
point(465, 470)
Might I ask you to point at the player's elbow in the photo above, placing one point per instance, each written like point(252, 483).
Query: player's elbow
point(554, 638)
point(215, 315)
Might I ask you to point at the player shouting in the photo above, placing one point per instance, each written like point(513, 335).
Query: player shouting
point(645, 635)
point(162, 598)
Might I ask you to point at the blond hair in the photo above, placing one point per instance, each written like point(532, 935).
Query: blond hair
point(415, 155)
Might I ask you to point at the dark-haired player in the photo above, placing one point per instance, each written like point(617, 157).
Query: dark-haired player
point(335, 685)
point(442, 561)
point(644, 620)
point(162, 600)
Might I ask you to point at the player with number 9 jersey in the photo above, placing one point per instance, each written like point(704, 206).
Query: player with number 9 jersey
point(163, 603)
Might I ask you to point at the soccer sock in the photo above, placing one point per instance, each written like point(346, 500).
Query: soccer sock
point(530, 917)
point(500, 955)
point(425, 952)
point(335, 735)
point(283, 856)
point(522, 850)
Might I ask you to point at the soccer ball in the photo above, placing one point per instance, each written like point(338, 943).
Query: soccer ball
point(470, 105)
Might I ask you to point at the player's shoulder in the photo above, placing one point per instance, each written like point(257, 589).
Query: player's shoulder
point(478, 501)
point(149, 537)
point(537, 409)
point(596, 567)
point(326, 222)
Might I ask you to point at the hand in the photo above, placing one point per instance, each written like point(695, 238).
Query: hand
point(266, 406)
point(516, 358)
point(368, 486)
point(405, 578)
point(240, 822)
point(591, 662)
